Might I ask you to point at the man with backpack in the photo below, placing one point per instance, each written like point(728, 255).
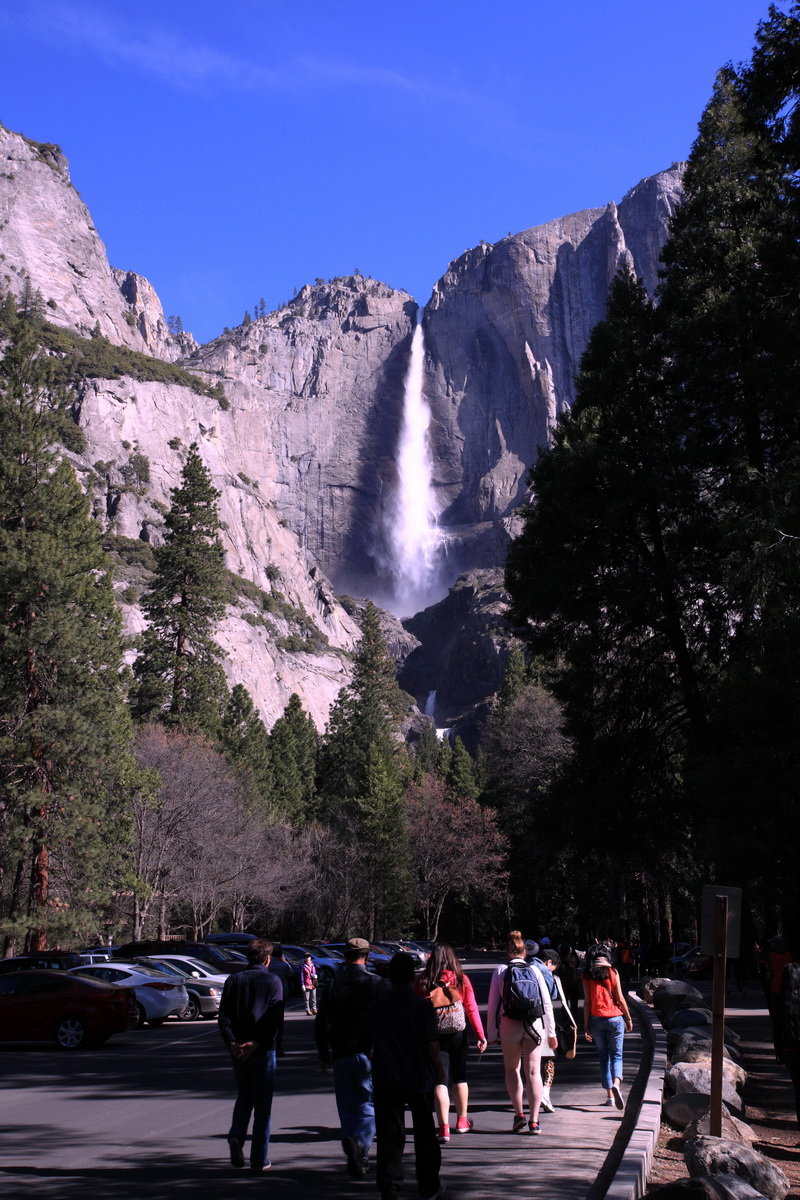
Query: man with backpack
point(520, 1017)
point(344, 1043)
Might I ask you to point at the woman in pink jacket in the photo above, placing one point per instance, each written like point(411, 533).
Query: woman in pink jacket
point(451, 994)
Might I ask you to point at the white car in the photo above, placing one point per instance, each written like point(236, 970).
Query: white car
point(203, 987)
point(158, 995)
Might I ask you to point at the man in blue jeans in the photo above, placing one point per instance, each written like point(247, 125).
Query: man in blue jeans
point(250, 1013)
point(342, 1041)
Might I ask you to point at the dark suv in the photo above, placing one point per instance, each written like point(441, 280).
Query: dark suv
point(217, 957)
point(43, 960)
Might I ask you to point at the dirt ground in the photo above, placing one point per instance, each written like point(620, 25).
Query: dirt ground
point(769, 1101)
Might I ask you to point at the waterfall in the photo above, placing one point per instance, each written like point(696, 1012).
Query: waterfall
point(414, 538)
point(430, 704)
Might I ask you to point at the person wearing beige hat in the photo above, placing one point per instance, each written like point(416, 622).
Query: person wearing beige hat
point(344, 1045)
point(606, 1017)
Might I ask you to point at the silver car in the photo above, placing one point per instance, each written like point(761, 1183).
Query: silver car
point(158, 994)
point(203, 986)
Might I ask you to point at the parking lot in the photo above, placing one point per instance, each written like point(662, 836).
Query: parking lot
point(145, 1117)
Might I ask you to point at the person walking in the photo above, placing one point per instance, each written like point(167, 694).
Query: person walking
point(453, 998)
point(280, 968)
point(250, 1012)
point(549, 963)
point(519, 1016)
point(606, 1017)
point(308, 982)
point(406, 1067)
point(343, 1042)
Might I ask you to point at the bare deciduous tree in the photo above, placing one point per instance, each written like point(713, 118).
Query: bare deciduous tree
point(200, 850)
point(456, 848)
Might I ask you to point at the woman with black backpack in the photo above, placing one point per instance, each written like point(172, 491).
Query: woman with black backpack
point(450, 992)
point(520, 1017)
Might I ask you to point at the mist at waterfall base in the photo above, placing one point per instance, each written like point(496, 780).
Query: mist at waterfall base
point(414, 558)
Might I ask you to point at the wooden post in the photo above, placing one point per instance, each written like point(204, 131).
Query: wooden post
point(718, 1013)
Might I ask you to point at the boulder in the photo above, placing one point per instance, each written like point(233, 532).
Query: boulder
point(732, 1187)
point(733, 1129)
point(685, 1107)
point(699, 1036)
point(680, 1189)
point(730, 1070)
point(683, 1045)
point(718, 1156)
point(691, 1077)
point(647, 988)
point(686, 1018)
point(675, 993)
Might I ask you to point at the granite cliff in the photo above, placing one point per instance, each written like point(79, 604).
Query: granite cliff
point(302, 444)
point(505, 330)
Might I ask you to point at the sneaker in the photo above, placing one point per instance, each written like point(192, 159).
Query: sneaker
point(237, 1154)
point(439, 1192)
point(607, 1103)
point(546, 1106)
point(533, 1127)
point(256, 1169)
point(463, 1125)
point(444, 1134)
point(520, 1124)
point(617, 1094)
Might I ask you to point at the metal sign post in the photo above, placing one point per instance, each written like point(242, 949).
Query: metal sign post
point(718, 1012)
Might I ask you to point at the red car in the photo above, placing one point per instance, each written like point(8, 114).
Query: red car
point(56, 1006)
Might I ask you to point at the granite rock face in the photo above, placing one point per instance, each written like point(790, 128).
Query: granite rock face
point(49, 242)
point(304, 447)
point(320, 384)
point(505, 329)
point(463, 645)
point(286, 633)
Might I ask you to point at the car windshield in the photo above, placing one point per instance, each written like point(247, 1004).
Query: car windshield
point(143, 969)
point(188, 965)
point(177, 969)
point(229, 955)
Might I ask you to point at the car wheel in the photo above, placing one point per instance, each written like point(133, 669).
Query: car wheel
point(192, 1011)
point(141, 1015)
point(71, 1033)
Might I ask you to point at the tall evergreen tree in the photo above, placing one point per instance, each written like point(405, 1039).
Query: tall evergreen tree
point(610, 580)
point(179, 680)
point(294, 746)
point(64, 732)
point(461, 779)
point(361, 774)
point(244, 741)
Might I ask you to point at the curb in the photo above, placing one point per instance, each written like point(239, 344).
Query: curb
point(631, 1155)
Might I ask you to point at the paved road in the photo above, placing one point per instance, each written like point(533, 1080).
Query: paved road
point(145, 1118)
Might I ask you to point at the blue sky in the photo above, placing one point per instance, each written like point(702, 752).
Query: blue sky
point(230, 152)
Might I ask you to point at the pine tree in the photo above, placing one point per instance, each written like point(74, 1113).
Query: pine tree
point(293, 746)
point(178, 676)
point(362, 770)
point(460, 779)
point(65, 736)
point(244, 741)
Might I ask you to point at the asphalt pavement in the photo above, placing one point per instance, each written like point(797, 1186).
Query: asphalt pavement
point(146, 1117)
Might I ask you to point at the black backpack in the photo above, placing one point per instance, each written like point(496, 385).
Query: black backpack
point(521, 998)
